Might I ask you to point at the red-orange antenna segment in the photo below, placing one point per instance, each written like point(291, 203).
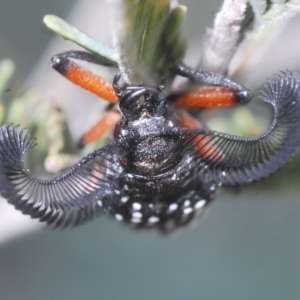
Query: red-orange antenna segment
point(203, 144)
point(84, 78)
point(207, 97)
point(105, 124)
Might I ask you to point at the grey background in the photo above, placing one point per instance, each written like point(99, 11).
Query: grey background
point(246, 247)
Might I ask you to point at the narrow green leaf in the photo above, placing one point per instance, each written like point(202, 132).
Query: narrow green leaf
point(71, 33)
point(174, 22)
point(150, 31)
point(174, 41)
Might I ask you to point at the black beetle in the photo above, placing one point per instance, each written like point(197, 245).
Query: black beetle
point(158, 172)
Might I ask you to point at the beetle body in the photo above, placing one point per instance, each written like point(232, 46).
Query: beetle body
point(163, 168)
point(156, 184)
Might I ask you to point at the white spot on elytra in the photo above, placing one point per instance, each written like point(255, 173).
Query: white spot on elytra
point(135, 220)
point(173, 207)
point(137, 215)
point(199, 204)
point(119, 217)
point(136, 206)
point(99, 202)
point(187, 210)
point(153, 219)
point(124, 199)
point(187, 203)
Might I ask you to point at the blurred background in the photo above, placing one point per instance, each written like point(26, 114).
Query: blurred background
point(246, 247)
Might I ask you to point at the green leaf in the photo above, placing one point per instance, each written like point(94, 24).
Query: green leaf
point(154, 26)
point(149, 41)
point(73, 34)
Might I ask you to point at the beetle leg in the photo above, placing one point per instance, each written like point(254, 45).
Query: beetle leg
point(84, 78)
point(105, 124)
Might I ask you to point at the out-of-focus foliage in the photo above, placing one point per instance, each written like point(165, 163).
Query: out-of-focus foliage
point(147, 39)
point(43, 119)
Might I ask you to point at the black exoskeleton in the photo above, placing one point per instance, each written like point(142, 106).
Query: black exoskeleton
point(156, 173)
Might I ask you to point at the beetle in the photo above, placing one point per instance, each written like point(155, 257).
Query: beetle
point(163, 167)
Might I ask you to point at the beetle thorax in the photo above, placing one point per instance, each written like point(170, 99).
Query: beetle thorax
point(150, 138)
